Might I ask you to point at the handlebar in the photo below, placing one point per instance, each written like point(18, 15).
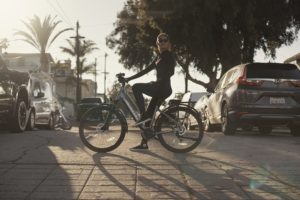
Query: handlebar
point(119, 75)
point(121, 78)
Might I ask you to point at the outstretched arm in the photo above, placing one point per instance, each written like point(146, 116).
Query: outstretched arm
point(143, 72)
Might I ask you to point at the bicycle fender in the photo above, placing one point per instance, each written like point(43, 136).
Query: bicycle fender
point(185, 106)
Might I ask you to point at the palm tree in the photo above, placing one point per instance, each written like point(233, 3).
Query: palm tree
point(3, 44)
point(39, 36)
point(85, 47)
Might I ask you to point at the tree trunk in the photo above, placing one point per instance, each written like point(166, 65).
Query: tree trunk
point(44, 62)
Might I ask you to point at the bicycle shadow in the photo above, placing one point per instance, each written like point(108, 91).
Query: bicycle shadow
point(187, 184)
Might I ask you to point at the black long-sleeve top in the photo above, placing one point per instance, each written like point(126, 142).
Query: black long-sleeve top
point(164, 65)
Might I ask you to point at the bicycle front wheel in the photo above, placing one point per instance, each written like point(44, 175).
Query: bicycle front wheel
point(179, 129)
point(102, 128)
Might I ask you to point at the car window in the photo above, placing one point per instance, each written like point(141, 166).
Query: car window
point(36, 89)
point(220, 83)
point(227, 78)
point(196, 96)
point(234, 74)
point(46, 89)
point(273, 71)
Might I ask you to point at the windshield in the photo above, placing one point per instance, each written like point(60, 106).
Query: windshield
point(273, 71)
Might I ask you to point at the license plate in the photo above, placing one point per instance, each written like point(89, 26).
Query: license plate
point(277, 100)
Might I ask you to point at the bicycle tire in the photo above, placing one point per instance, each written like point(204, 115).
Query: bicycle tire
point(102, 128)
point(173, 141)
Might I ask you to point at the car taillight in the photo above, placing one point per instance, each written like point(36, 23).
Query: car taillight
point(296, 83)
point(243, 81)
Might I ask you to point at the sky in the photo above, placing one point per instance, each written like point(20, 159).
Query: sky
point(96, 19)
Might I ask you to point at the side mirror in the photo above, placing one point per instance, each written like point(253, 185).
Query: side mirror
point(40, 95)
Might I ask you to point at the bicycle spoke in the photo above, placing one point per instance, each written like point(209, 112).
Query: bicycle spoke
point(102, 129)
point(175, 131)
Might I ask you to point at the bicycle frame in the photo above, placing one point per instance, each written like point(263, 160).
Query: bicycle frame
point(129, 102)
point(133, 109)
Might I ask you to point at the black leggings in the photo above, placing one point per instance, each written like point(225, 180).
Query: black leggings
point(156, 90)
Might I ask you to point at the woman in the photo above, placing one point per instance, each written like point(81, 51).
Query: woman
point(158, 90)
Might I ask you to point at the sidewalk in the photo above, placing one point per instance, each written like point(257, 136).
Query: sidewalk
point(47, 165)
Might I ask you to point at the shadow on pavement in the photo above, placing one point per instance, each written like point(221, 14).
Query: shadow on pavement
point(265, 165)
point(30, 170)
point(159, 179)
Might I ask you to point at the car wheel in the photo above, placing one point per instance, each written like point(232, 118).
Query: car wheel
point(265, 130)
point(247, 127)
point(205, 121)
point(31, 121)
point(66, 125)
point(228, 126)
point(295, 130)
point(51, 122)
point(19, 117)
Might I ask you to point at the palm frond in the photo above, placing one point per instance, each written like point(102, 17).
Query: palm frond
point(28, 38)
point(68, 51)
point(58, 34)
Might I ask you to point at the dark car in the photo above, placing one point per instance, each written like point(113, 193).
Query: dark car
point(259, 94)
point(87, 103)
point(15, 101)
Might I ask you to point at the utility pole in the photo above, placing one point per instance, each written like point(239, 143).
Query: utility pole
point(77, 49)
point(186, 83)
point(104, 92)
point(95, 65)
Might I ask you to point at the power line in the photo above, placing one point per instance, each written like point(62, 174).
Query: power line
point(49, 2)
point(63, 12)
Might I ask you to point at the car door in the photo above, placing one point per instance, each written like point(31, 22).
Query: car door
point(215, 100)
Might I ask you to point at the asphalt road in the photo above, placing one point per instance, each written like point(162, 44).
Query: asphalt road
point(43, 164)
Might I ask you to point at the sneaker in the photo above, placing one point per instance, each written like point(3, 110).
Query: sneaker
point(142, 121)
point(141, 147)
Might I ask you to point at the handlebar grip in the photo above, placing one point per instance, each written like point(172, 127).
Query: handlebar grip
point(120, 75)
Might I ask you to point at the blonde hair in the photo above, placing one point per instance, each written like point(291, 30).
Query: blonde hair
point(162, 35)
point(165, 36)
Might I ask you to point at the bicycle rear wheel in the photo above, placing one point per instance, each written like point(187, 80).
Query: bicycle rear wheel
point(102, 128)
point(179, 129)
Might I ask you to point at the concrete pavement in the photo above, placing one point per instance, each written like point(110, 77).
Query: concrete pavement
point(55, 165)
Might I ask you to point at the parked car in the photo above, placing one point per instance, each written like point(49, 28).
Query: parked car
point(260, 94)
point(15, 101)
point(190, 98)
point(44, 100)
point(87, 103)
point(201, 106)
